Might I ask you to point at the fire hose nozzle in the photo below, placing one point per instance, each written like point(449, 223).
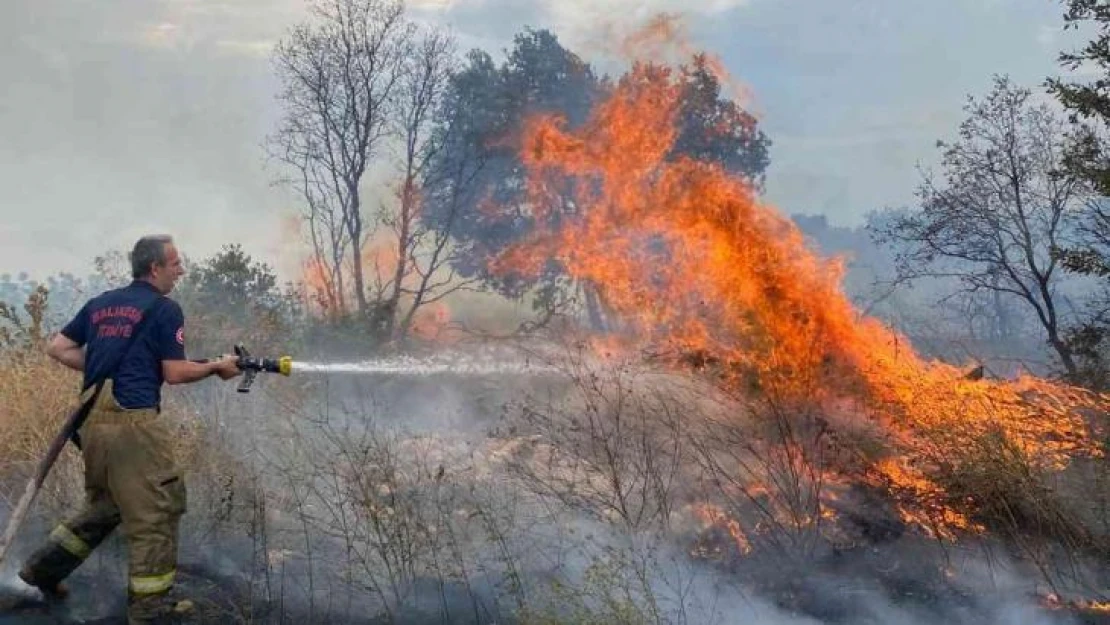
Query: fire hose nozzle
point(251, 366)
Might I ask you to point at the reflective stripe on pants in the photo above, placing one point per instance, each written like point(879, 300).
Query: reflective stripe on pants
point(152, 584)
point(70, 542)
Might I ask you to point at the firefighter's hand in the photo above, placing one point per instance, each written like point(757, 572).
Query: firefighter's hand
point(227, 368)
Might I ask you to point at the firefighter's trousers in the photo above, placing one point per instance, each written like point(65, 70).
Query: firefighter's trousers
point(131, 478)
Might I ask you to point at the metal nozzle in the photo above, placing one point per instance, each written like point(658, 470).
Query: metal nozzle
point(283, 365)
point(252, 366)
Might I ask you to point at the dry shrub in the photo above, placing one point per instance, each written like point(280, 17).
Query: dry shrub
point(612, 447)
point(37, 395)
point(222, 485)
point(1008, 492)
point(362, 512)
point(604, 595)
point(768, 476)
point(1084, 488)
point(648, 451)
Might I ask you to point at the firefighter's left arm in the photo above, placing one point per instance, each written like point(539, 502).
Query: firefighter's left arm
point(66, 351)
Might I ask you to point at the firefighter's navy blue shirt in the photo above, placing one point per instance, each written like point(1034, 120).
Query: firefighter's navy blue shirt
point(104, 326)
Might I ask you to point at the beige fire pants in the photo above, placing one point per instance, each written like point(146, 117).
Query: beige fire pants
point(130, 478)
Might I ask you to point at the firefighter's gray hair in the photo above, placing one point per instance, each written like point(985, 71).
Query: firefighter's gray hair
point(148, 250)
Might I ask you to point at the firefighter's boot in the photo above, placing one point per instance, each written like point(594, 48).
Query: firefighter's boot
point(159, 609)
point(52, 591)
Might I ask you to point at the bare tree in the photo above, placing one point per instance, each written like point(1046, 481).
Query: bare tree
point(1002, 208)
point(338, 74)
point(421, 274)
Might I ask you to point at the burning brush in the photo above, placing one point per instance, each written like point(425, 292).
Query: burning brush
point(1090, 611)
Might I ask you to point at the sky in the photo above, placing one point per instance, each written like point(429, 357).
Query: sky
point(124, 117)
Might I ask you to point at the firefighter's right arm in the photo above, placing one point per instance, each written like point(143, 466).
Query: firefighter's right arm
point(176, 369)
point(68, 345)
point(66, 351)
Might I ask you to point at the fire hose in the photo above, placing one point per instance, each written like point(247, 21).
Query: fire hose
point(249, 365)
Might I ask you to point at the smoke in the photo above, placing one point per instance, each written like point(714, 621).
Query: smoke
point(363, 499)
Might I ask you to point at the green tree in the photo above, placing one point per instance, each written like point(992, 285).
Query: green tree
point(230, 298)
point(717, 130)
point(480, 193)
point(1088, 104)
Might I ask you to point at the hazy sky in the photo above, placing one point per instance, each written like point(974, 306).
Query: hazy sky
point(121, 117)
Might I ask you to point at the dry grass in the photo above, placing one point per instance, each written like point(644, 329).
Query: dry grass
point(37, 396)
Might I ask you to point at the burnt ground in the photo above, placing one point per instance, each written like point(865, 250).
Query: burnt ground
point(815, 596)
point(99, 599)
point(219, 601)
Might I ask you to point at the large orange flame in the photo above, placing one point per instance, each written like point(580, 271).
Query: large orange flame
point(688, 258)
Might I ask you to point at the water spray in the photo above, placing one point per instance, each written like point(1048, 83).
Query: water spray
point(401, 364)
point(404, 365)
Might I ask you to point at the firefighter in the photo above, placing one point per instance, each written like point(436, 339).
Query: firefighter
point(131, 477)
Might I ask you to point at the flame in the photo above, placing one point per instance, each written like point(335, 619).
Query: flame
point(1102, 607)
point(319, 294)
point(1053, 601)
point(691, 261)
point(432, 322)
point(379, 261)
point(713, 517)
point(928, 511)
